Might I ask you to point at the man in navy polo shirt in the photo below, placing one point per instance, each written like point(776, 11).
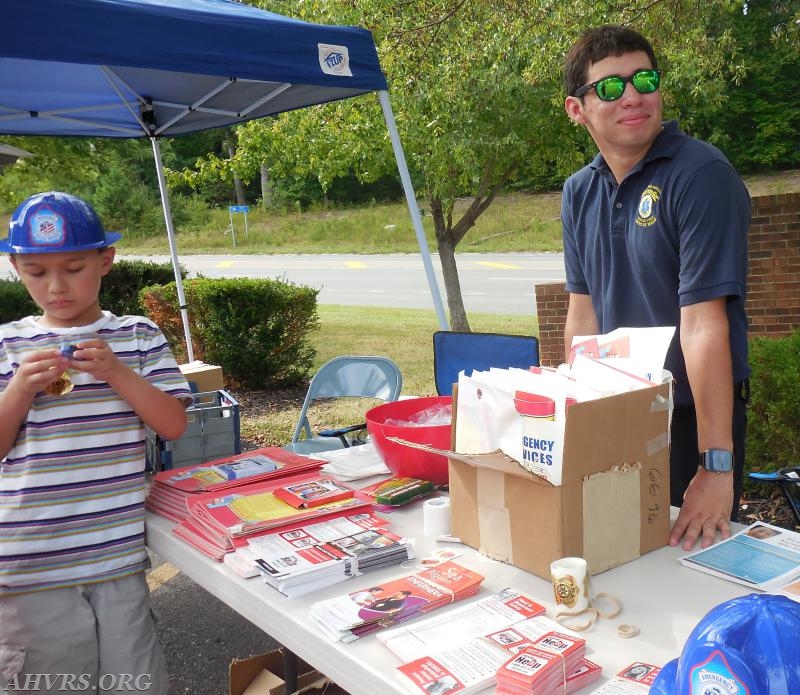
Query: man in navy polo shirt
point(655, 234)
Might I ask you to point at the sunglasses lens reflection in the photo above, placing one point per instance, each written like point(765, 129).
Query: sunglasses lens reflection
point(646, 81)
point(612, 88)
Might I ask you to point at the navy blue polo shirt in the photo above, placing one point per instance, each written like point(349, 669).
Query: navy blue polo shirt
point(672, 234)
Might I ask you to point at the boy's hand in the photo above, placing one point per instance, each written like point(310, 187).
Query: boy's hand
point(37, 370)
point(96, 358)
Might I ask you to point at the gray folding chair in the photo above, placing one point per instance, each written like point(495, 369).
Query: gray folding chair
point(348, 376)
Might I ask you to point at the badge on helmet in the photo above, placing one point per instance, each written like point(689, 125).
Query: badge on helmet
point(52, 222)
point(745, 646)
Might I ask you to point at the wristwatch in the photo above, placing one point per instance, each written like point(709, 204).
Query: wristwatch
point(717, 460)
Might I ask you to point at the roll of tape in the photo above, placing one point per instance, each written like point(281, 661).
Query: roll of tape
point(436, 516)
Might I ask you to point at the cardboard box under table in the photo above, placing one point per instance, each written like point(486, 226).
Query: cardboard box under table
point(264, 675)
point(606, 516)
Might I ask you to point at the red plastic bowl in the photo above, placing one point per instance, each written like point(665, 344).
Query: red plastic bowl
point(405, 460)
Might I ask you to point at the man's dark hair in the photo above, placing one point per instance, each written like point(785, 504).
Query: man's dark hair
point(596, 44)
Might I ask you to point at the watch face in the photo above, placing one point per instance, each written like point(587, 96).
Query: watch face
point(717, 460)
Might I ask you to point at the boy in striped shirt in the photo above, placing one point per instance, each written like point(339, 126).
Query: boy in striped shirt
point(77, 387)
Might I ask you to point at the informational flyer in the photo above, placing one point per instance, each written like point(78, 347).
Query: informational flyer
point(760, 556)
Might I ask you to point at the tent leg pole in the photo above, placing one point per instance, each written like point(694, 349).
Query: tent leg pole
point(413, 208)
point(173, 249)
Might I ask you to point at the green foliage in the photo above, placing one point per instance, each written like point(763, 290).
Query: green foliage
point(761, 96)
point(15, 303)
point(773, 426)
point(119, 292)
point(120, 289)
point(256, 330)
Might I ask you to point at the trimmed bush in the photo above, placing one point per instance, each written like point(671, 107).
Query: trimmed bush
point(119, 292)
point(256, 330)
point(773, 426)
point(15, 302)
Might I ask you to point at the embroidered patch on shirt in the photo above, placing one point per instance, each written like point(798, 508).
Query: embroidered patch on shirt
point(647, 205)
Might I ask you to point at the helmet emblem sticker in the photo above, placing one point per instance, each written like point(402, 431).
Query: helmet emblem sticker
point(715, 677)
point(47, 228)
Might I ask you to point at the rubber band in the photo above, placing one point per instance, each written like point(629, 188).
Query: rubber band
point(613, 600)
point(627, 631)
point(565, 619)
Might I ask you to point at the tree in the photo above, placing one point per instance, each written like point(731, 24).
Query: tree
point(762, 101)
point(476, 90)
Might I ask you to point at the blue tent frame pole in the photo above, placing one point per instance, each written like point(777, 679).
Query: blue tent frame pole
point(173, 249)
point(413, 208)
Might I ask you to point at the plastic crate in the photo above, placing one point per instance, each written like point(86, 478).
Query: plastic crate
point(212, 432)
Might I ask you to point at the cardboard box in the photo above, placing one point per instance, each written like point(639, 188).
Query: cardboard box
point(608, 517)
point(263, 675)
point(205, 377)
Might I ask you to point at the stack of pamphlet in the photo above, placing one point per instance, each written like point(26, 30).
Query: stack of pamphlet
point(220, 521)
point(313, 556)
point(348, 617)
point(353, 462)
point(459, 624)
point(541, 668)
point(468, 666)
point(171, 489)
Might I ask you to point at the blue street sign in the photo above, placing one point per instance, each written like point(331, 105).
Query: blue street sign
point(238, 208)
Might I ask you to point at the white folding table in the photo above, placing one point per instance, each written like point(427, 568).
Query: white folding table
point(660, 596)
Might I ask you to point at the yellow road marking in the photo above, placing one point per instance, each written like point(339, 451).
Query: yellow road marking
point(356, 265)
point(161, 575)
point(503, 266)
point(224, 264)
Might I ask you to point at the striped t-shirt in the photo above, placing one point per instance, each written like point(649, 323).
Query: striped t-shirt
point(72, 486)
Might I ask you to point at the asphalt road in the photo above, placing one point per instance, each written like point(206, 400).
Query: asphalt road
point(491, 283)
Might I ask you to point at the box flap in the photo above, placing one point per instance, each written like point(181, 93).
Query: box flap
point(610, 431)
point(242, 672)
point(264, 683)
point(495, 460)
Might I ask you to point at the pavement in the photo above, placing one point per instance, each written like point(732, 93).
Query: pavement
point(199, 633)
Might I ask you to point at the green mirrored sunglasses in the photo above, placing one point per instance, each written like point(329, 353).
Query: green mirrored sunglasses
point(613, 87)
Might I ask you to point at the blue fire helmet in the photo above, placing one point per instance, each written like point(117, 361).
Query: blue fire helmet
point(746, 646)
point(53, 222)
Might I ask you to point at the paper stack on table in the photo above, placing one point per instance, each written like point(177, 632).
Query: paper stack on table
point(532, 645)
point(311, 557)
point(348, 617)
point(543, 667)
point(354, 462)
point(170, 490)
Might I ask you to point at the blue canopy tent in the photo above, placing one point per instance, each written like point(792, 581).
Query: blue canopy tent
point(152, 69)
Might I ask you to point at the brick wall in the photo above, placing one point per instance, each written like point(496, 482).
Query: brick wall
point(773, 292)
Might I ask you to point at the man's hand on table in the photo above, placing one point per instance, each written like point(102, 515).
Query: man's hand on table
point(706, 508)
